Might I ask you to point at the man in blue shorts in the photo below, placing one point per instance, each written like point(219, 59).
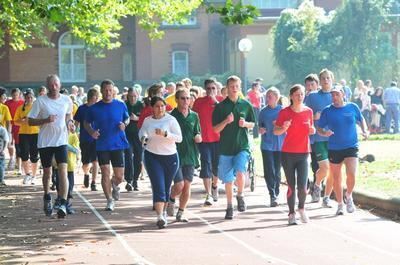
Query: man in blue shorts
point(106, 121)
point(233, 118)
point(341, 118)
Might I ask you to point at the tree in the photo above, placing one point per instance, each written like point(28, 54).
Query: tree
point(97, 22)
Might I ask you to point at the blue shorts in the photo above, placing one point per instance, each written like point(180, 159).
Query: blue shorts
point(229, 165)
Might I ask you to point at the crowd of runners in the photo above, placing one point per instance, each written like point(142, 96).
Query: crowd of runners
point(179, 131)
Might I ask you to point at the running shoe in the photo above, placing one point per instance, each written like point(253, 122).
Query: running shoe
point(171, 209)
point(86, 181)
point(110, 205)
point(47, 207)
point(303, 216)
point(57, 203)
point(128, 187)
point(316, 194)
point(70, 210)
point(241, 205)
point(214, 193)
point(274, 203)
point(292, 219)
point(27, 179)
point(229, 213)
point(161, 222)
point(350, 205)
point(62, 211)
point(208, 201)
point(33, 180)
point(115, 191)
point(93, 186)
point(339, 210)
point(180, 217)
point(326, 202)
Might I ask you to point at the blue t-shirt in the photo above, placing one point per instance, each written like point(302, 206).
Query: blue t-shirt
point(342, 121)
point(317, 101)
point(269, 141)
point(106, 118)
point(80, 115)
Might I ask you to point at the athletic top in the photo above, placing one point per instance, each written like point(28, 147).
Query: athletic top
point(270, 141)
point(204, 108)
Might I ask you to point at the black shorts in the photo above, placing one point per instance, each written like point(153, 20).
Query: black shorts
point(338, 156)
point(88, 152)
point(184, 173)
point(115, 156)
point(47, 154)
point(28, 147)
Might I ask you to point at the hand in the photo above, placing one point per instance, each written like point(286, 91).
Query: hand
point(242, 122)
point(262, 130)
point(71, 126)
point(51, 118)
point(329, 133)
point(365, 135)
point(287, 124)
point(121, 126)
point(317, 115)
point(144, 140)
point(311, 130)
point(133, 117)
point(96, 134)
point(229, 118)
point(198, 139)
point(160, 132)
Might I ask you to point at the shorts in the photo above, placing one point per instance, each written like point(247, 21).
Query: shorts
point(184, 173)
point(88, 152)
point(338, 156)
point(321, 150)
point(229, 166)
point(47, 154)
point(28, 147)
point(115, 156)
point(209, 153)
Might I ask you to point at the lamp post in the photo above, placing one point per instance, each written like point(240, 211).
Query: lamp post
point(245, 45)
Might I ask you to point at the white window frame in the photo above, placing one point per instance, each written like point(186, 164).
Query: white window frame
point(72, 47)
point(174, 53)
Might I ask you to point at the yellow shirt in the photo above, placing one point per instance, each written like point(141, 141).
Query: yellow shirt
point(74, 109)
point(170, 100)
point(24, 127)
point(4, 115)
point(73, 141)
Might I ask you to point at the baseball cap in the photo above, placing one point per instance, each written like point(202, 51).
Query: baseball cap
point(337, 88)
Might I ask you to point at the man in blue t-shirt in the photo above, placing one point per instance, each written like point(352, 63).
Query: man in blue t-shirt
point(341, 118)
point(106, 121)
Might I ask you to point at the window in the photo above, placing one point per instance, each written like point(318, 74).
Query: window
point(265, 4)
point(180, 63)
point(72, 59)
point(191, 21)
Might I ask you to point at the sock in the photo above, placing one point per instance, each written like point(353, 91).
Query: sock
point(229, 205)
point(63, 201)
point(47, 197)
point(171, 200)
point(180, 210)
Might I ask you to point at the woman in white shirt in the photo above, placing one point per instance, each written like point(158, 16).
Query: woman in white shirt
point(159, 133)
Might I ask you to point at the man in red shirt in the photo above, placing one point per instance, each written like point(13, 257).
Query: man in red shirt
point(13, 147)
point(209, 150)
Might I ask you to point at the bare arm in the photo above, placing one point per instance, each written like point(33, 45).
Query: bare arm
point(220, 126)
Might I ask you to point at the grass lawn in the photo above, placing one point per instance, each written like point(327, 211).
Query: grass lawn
point(381, 177)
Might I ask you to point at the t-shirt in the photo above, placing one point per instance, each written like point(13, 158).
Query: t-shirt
point(106, 118)
point(73, 142)
point(136, 108)
point(79, 116)
point(12, 106)
point(233, 139)
point(297, 138)
point(148, 111)
point(158, 144)
point(4, 139)
point(270, 141)
point(204, 108)
point(4, 115)
point(254, 98)
point(317, 101)
point(342, 121)
point(55, 133)
point(190, 127)
point(25, 128)
point(170, 100)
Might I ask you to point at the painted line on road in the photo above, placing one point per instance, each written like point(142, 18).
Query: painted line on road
point(269, 258)
point(138, 260)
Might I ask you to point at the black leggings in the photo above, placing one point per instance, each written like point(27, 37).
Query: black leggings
point(295, 166)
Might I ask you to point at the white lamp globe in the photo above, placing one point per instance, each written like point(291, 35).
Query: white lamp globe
point(245, 45)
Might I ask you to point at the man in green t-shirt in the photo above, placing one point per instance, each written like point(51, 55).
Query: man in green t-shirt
point(188, 153)
point(233, 118)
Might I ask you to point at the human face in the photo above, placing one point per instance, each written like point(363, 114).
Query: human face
point(54, 87)
point(3, 98)
point(311, 86)
point(211, 89)
point(132, 97)
point(108, 93)
point(183, 100)
point(297, 97)
point(28, 99)
point(15, 95)
point(233, 89)
point(326, 81)
point(337, 99)
point(272, 99)
point(159, 109)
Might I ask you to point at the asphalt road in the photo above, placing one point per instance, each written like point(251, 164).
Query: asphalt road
point(129, 235)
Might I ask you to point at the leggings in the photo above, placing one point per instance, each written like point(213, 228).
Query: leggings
point(296, 168)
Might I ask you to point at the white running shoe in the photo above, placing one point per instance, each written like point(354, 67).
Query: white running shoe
point(110, 205)
point(292, 219)
point(27, 179)
point(350, 205)
point(303, 216)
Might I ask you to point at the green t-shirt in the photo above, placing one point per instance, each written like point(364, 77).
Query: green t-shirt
point(135, 109)
point(187, 149)
point(233, 138)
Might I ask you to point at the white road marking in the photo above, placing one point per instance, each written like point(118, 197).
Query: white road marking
point(138, 260)
point(264, 256)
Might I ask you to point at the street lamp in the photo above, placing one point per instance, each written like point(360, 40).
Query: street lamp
point(245, 45)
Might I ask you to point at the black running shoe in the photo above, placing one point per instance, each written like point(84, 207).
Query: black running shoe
point(86, 181)
point(229, 213)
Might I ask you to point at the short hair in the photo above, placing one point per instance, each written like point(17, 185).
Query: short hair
point(311, 77)
point(209, 81)
point(232, 78)
point(106, 82)
point(51, 78)
point(155, 99)
point(254, 84)
point(179, 92)
point(15, 90)
point(92, 92)
point(187, 82)
point(154, 89)
point(2, 91)
point(274, 91)
point(326, 70)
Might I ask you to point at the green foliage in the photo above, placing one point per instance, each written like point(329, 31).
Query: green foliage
point(235, 14)
point(352, 38)
point(197, 80)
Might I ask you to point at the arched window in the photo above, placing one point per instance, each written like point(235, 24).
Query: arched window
point(71, 58)
point(180, 63)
